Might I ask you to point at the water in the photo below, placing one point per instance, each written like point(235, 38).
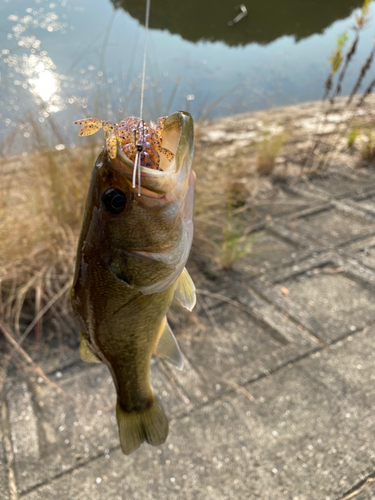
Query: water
point(67, 59)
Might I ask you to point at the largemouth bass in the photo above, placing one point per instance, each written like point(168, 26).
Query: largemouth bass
point(130, 265)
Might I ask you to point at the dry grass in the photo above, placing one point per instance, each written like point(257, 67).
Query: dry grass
point(42, 203)
point(342, 56)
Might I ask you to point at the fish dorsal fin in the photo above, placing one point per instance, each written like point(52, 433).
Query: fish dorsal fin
point(185, 291)
point(85, 352)
point(168, 348)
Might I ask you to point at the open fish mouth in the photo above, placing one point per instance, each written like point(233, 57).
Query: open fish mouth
point(178, 137)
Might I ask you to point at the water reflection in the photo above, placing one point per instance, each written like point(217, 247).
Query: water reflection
point(266, 20)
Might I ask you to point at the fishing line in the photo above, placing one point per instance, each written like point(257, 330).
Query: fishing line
point(139, 145)
point(148, 5)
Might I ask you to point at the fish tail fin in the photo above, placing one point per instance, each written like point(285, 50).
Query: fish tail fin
point(135, 427)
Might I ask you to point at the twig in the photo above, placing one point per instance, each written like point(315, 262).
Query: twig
point(354, 493)
point(327, 270)
point(43, 311)
point(239, 389)
point(31, 363)
point(210, 317)
point(219, 296)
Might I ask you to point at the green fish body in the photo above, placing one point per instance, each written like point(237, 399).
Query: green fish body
point(130, 265)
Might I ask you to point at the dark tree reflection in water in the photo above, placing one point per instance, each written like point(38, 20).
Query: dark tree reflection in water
point(207, 20)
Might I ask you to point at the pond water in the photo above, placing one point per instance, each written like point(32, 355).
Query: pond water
point(63, 60)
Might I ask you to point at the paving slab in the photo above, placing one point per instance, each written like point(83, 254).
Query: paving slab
point(332, 227)
point(339, 304)
point(266, 252)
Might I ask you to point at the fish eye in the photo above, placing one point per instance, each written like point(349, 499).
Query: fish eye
point(114, 201)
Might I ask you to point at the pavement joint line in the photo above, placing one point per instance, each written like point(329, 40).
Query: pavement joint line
point(364, 195)
point(314, 210)
point(357, 246)
point(282, 231)
point(351, 267)
point(317, 197)
point(297, 269)
point(9, 455)
point(66, 472)
point(335, 174)
point(301, 256)
point(349, 206)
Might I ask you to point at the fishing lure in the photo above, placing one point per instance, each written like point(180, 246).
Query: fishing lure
point(134, 136)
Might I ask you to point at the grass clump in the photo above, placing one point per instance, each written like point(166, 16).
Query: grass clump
point(237, 238)
point(368, 148)
point(224, 217)
point(267, 150)
point(353, 136)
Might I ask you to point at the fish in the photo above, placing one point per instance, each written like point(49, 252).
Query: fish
point(132, 251)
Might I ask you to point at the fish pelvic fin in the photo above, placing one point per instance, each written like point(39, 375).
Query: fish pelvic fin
point(185, 290)
point(167, 347)
point(135, 427)
point(86, 353)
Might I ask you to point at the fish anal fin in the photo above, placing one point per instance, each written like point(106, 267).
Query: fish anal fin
point(135, 427)
point(85, 352)
point(185, 290)
point(167, 348)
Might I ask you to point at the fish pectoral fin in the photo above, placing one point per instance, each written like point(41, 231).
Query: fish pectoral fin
point(185, 291)
point(167, 348)
point(85, 352)
point(135, 427)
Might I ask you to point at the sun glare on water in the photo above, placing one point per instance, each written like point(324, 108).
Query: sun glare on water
point(46, 84)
